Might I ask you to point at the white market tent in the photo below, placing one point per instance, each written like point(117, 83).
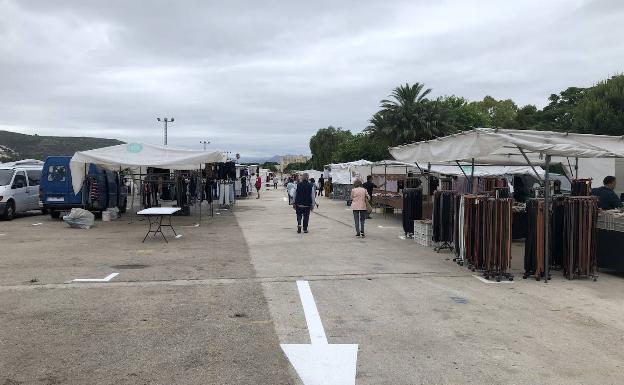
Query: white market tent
point(502, 146)
point(135, 155)
point(343, 173)
point(484, 170)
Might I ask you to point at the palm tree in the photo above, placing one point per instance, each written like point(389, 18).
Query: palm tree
point(406, 114)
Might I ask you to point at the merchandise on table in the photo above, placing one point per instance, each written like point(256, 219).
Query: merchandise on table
point(581, 187)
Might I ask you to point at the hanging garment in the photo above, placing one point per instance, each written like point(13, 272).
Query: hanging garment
point(443, 215)
point(412, 208)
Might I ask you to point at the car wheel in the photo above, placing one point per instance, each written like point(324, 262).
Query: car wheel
point(9, 211)
point(55, 214)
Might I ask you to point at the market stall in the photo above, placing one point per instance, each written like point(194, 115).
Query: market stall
point(143, 160)
point(516, 147)
point(342, 176)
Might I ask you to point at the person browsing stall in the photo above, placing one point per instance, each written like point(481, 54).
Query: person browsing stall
point(607, 198)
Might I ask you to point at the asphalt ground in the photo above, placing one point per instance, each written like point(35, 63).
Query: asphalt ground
point(213, 306)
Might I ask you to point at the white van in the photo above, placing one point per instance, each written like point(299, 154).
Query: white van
point(19, 187)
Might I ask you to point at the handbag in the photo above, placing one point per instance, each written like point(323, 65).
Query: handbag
point(369, 207)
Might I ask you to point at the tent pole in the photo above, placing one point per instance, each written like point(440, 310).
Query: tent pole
point(472, 177)
point(530, 164)
point(201, 194)
point(576, 167)
point(547, 219)
point(462, 170)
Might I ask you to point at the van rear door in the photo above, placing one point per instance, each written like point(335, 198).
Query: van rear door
point(57, 181)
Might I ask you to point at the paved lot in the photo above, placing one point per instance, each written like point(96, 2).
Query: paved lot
point(213, 306)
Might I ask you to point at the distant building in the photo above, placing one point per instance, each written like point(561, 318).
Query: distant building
point(285, 160)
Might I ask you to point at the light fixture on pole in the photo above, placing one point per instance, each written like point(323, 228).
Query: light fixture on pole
point(204, 142)
point(165, 120)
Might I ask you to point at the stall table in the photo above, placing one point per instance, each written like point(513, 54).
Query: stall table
point(155, 217)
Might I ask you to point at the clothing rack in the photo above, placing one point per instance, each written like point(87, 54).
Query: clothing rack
point(443, 219)
point(534, 241)
point(412, 209)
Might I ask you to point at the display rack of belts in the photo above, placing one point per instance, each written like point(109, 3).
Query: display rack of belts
point(443, 219)
point(573, 235)
point(483, 234)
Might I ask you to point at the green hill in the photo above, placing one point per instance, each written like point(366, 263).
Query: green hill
point(15, 146)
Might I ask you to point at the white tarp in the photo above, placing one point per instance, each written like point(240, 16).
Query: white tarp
point(481, 171)
point(344, 173)
point(500, 146)
point(390, 167)
point(134, 155)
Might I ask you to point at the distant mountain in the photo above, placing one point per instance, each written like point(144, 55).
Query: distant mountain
point(15, 146)
point(260, 160)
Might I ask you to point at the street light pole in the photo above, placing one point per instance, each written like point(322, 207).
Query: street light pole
point(204, 143)
point(166, 120)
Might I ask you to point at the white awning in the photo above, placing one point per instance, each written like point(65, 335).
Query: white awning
point(481, 171)
point(500, 147)
point(134, 155)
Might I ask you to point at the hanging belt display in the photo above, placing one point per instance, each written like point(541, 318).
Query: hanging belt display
point(572, 237)
point(483, 229)
point(443, 218)
point(412, 209)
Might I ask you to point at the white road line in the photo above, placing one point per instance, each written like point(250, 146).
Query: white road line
point(387, 227)
point(37, 224)
point(488, 281)
point(320, 363)
point(105, 279)
point(315, 326)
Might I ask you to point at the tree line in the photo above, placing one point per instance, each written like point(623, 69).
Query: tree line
point(410, 115)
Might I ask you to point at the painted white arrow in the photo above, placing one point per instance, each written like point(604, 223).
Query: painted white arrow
point(320, 363)
point(105, 279)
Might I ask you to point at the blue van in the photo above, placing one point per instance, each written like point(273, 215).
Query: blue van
point(102, 189)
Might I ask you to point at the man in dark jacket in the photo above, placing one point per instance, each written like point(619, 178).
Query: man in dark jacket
point(304, 202)
point(607, 198)
point(369, 186)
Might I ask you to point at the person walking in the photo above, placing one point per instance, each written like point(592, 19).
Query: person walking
point(321, 185)
point(290, 190)
point(275, 181)
point(304, 202)
point(359, 197)
point(258, 185)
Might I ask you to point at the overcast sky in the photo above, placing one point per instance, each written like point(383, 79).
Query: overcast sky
point(260, 77)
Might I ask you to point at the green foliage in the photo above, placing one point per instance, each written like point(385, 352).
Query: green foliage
point(272, 166)
point(409, 116)
point(297, 166)
point(40, 147)
point(324, 144)
point(601, 111)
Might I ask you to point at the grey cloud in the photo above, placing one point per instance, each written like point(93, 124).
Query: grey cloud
point(261, 77)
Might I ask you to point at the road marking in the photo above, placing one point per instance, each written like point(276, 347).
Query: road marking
point(105, 279)
point(320, 363)
point(488, 281)
point(1, 235)
point(387, 227)
point(195, 225)
point(37, 224)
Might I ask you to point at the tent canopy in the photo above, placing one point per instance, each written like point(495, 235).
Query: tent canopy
point(481, 171)
point(502, 146)
point(134, 155)
point(343, 173)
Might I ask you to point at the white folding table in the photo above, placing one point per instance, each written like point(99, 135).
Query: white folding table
point(155, 217)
